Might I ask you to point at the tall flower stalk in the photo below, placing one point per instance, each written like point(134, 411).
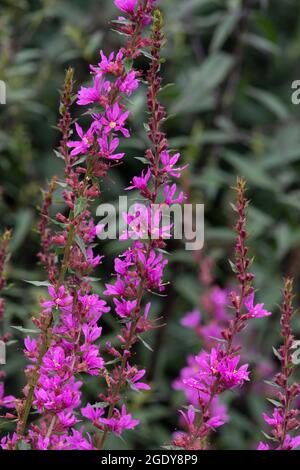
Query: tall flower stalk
point(219, 369)
point(68, 323)
point(140, 268)
point(284, 419)
point(6, 401)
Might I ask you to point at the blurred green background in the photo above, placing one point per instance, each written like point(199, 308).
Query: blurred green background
point(231, 64)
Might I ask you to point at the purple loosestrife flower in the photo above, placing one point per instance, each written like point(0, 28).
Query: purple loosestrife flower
point(124, 308)
point(128, 84)
point(92, 413)
point(95, 94)
point(68, 320)
point(169, 164)
point(113, 64)
point(169, 192)
point(141, 267)
point(255, 311)
point(107, 148)
point(128, 6)
point(86, 140)
point(7, 401)
point(213, 366)
point(141, 182)
point(120, 421)
point(191, 319)
point(218, 369)
point(134, 377)
point(60, 298)
point(114, 120)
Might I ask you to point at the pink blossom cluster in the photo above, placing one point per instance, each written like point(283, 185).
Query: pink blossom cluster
point(220, 368)
point(140, 268)
point(73, 351)
point(68, 343)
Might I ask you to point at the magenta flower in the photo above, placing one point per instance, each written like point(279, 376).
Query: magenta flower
point(115, 289)
point(31, 350)
point(91, 333)
point(230, 375)
point(67, 419)
point(169, 193)
point(140, 182)
point(78, 442)
point(144, 221)
point(188, 417)
point(215, 422)
point(107, 148)
point(55, 359)
point(276, 420)
point(91, 361)
point(213, 366)
point(6, 401)
point(88, 95)
point(134, 377)
point(60, 298)
point(114, 120)
point(255, 311)
point(56, 396)
point(120, 421)
point(94, 306)
point(170, 162)
point(124, 307)
point(191, 319)
point(291, 443)
point(263, 446)
point(127, 6)
point(87, 139)
point(93, 413)
point(219, 297)
point(128, 84)
point(110, 64)
point(93, 261)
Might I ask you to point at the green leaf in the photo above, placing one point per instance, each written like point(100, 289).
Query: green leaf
point(81, 245)
point(261, 44)
point(274, 402)
point(276, 353)
point(267, 436)
point(80, 160)
point(198, 95)
point(24, 222)
point(38, 283)
point(59, 155)
point(269, 101)
point(80, 206)
point(233, 266)
point(147, 346)
point(272, 384)
point(24, 330)
point(251, 169)
point(100, 404)
point(224, 29)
